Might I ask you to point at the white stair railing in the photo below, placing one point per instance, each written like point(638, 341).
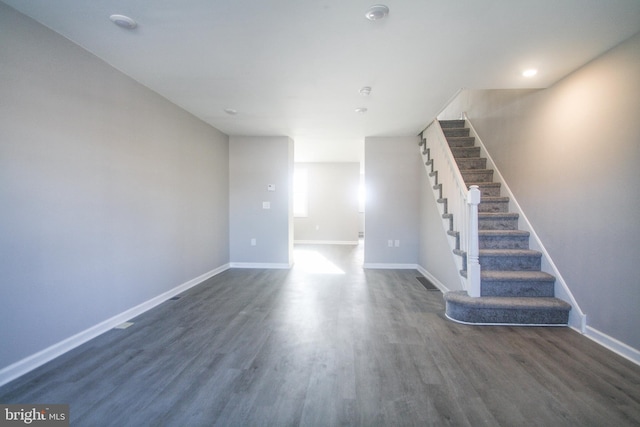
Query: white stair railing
point(462, 204)
point(473, 249)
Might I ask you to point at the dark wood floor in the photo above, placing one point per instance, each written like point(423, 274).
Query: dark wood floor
point(328, 343)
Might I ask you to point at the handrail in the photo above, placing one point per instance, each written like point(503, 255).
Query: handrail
point(462, 204)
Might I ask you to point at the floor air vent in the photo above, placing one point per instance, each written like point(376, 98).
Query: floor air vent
point(427, 284)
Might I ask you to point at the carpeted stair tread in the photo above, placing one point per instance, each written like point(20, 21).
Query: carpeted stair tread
point(520, 276)
point(489, 199)
point(484, 184)
point(509, 252)
point(472, 163)
point(498, 215)
point(465, 152)
point(491, 233)
point(475, 170)
point(454, 132)
point(512, 303)
point(461, 141)
point(458, 123)
point(503, 239)
point(487, 189)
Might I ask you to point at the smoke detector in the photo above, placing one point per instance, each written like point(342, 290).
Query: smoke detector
point(377, 12)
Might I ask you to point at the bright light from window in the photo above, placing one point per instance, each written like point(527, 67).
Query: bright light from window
point(361, 194)
point(300, 192)
point(313, 262)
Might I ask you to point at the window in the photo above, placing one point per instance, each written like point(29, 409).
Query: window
point(300, 192)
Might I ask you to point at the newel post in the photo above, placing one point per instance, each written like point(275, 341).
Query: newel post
point(473, 253)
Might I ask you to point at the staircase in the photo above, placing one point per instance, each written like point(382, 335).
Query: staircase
point(514, 290)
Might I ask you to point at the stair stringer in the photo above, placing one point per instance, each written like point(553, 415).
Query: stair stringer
point(452, 235)
point(577, 318)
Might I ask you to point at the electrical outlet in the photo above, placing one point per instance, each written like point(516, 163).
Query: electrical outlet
point(397, 243)
point(253, 242)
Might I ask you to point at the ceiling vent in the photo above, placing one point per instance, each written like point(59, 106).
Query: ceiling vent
point(365, 91)
point(123, 21)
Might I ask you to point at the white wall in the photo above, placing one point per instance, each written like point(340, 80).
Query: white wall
point(109, 194)
point(392, 211)
point(570, 154)
point(254, 163)
point(435, 258)
point(333, 204)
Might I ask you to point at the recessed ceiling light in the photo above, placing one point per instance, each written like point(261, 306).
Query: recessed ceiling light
point(530, 72)
point(376, 12)
point(231, 111)
point(365, 91)
point(123, 21)
point(361, 110)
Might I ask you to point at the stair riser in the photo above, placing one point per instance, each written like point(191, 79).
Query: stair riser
point(516, 289)
point(503, 242)
point(462, 152)
point(494, 207)
point(461, 141)
point(497, 223)
point(472, 163)
point(493, 315)
point(455, 132)
point(509, 263)
point(477, 176)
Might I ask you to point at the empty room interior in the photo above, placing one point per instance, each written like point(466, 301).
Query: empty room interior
point(326, 213)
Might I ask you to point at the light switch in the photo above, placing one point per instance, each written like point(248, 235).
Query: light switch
point(266, 205)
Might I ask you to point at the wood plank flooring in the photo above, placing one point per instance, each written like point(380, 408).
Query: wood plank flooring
point(326, 344)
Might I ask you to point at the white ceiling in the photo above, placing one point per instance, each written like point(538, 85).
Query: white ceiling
point(294, 67)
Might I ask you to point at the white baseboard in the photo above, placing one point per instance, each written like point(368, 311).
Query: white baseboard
point(390, 266)
point(601, 338)
point(326, 242)
point(613, 344)
point(35, 360)
point(260, 265)
point(438, 284)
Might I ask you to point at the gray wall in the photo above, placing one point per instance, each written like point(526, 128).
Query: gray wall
point(333, 203)
point(570, 154)
point(109, 194)
point(254, 163)
point(392, 174)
